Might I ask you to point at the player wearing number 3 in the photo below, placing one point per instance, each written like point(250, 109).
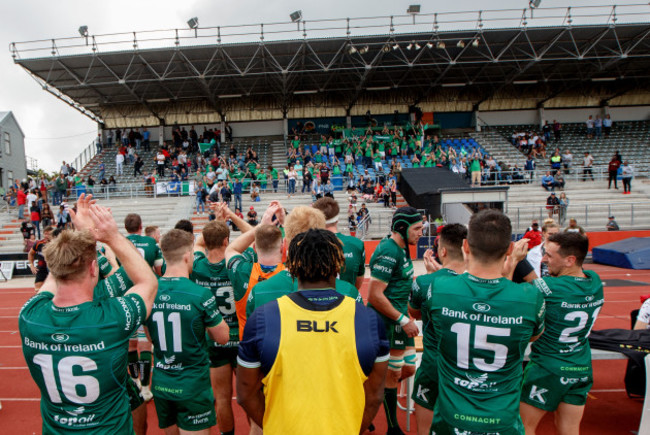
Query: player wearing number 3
point(180, 317)
point(484, 323)
point(76, 348)
point(559, 374)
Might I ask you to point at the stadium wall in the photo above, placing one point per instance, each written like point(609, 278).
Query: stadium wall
point(516, 117)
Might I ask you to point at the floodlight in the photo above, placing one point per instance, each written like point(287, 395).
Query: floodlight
point(396, 46)
point(475, 42)
point(461, 44)
point(193, 23)
point(534, 3)
point(386, 48)
point(352, 49)
point(417, 46)
point(415, 9)
point(364, 50)
point(440, 45)
point(429, 45)
point(410, 46)
point(83, 31)
point(296, 16)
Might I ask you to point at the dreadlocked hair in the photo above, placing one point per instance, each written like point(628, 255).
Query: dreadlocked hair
point(315, 255)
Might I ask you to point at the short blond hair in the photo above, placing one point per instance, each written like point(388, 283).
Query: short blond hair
point(268, 238)
point(176, 243)
point(214, 233)
point(68, 255)
point(301, 219)
point(150, 230)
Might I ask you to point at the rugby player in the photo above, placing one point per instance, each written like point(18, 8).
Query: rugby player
point(182, 313)
point(391, 280)
point(140, 356)
point(75, 347)
point(301, 219)
point(483, 322)
point(559, 374)
point(244, 271)
point(313, 351)
point(209, 271)
point(353, 248)
point(450, 253)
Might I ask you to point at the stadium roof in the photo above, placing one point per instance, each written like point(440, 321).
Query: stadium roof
point(264, 79)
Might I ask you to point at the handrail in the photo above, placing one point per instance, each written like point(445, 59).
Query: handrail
point(438, 22)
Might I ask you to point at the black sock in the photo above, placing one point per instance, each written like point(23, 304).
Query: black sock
point(145, 367)
point(134, 369)
point(230, 432)
point(390, 406)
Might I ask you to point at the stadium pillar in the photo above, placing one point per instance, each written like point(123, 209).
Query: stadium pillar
point(605, 109)
point(161, 135)
point(476, 118)
point(348, 119)
point(285, 125)
point(540, 114)
point(223, 129)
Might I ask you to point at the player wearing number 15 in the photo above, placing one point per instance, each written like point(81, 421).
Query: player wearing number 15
point(76, 348)
point(484, 323)
point(181, 315)
point(559, 374)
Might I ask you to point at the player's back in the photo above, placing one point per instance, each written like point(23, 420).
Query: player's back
point(147, 247)
point(77, 357)
point(484, 327)
point(390, 265)
point(572, 306)
point(355, 257)
point(177, 325)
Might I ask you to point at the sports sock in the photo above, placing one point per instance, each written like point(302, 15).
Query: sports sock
point(230, 432)
point(390, 406)
point(145, 367)
point(134, 369)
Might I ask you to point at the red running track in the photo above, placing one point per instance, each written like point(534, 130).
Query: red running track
point(609, 410)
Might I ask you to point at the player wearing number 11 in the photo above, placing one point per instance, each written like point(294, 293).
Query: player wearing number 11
point(483, 323)
point(559, 374)
point(75, 347)
point(182, 313)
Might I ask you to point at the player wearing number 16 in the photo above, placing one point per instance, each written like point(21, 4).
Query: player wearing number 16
point(182, 313)
point(484, 323)
point(76, 348)
point(559, 374)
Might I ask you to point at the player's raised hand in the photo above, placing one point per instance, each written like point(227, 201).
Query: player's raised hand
point(267, 218)
point(519, 250)
point(430, 263)
point(82, 219)
point(104, 226)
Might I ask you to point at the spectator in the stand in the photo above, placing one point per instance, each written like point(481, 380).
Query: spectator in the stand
point(328, 189)
point(627, 172)
point(292, 175)
point(226, 193)
point(612, 225)
point(574, 227)
point(255, 192)
point(557, 131)
point(237, 192)
point(109, 138)
point(137, 166)
point(529, 167)
point(119, 162)
point(35, 216)
point(160, 163)
point(475, 168)
point(587, 165)
point(252, 216)
point(552, 205)
point(90, 184)
point(317, 189)
point(112, 184)
point(548, 181)
point(564, 205)
point(62, 217)
point(558, 180)
point(598, 126)
point(275, 179)
point(556, 160)
point(567, 161)
point(607, 125)
point(546, 129)
point(21, 200)
point(46, 215)
point(590, 127)
point(307, 180)
point(201, 196)
point(612, 171)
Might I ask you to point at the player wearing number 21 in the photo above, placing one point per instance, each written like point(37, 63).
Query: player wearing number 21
point(484, 323)
point(181, 315)
point(76, 348)
point(559, 375)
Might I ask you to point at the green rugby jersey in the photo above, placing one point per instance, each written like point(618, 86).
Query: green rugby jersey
point(115, 285)
point(177, 326)
point(214, 277)
point(484, 327)
point(282, 284)
point(240, 268)
point(420, 300)
point(148, 248)
point(389, 264)
point(355, 258)
point(78, 358)
point(572, 306)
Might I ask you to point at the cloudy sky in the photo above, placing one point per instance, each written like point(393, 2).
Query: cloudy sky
point(55, 131)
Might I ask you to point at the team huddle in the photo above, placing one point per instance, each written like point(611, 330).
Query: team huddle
point(278, 311)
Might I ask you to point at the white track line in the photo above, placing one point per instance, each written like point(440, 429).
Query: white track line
point(613, 390)
point(19, 399)
point(10, 347)
point(13, 368)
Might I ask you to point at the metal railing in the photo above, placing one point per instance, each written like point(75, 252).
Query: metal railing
point(336, 27)
point(592, 215)
point(85, 156)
